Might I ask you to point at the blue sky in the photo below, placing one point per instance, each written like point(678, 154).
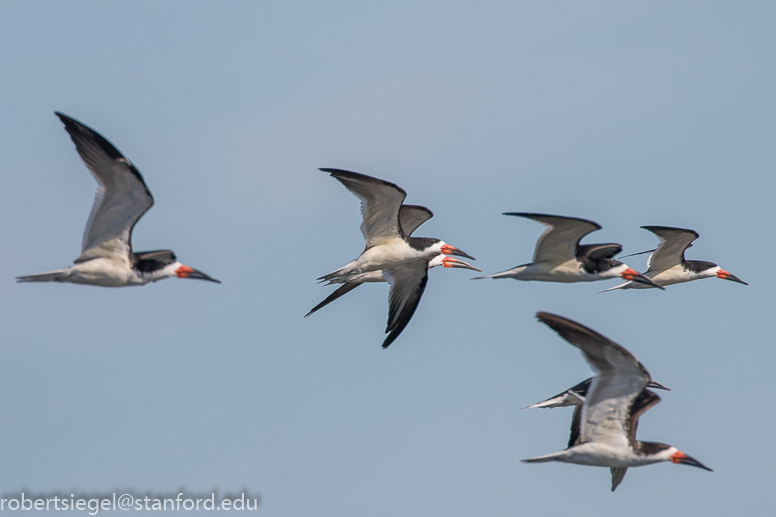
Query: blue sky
point(630, 114)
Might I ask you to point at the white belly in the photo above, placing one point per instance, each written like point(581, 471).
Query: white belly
point(377, 258)
point(567, 272)
point(674, 275)
point(104, 272)
point(602, 455)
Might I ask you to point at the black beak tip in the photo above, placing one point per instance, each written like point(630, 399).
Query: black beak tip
point(657, 385)
point(733, 278)
point(689, 460)
point(701, 465)
point(199, 275)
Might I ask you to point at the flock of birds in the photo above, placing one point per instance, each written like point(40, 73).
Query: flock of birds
point(607, 406)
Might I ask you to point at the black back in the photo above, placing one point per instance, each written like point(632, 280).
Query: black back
point(648, 448)
point(593, 266)
point(696, 266)
point(421, 243)
point(643, 402)
point(576, 420)
point(581, 390)
point(596, 258)
point(149, 261)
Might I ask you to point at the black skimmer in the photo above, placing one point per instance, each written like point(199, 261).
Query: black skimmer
point(604, 435)
point(403, 261)
point(122, 198)
point(410, 218)
point(575, 396)
point(559, 257)
point(667, 265)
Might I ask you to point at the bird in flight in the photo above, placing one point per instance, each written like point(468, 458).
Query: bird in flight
point(604, 435)
point(559, 257)
point(122, 198)
point(403, 261)
point(667, 265)
point(410, 218)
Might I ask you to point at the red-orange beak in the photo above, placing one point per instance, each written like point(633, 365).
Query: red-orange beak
point(724, 275)
point(452, 250)
point(190, 272)
point(635, 276)
point(680, 457)
point(677, 457)
point(452, 262)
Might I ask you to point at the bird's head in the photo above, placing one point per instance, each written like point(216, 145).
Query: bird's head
point(445, 261)
point(706, 269)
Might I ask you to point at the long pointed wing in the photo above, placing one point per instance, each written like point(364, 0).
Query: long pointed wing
point(646, 400)
point(408, 282)
point(618, 474)
point(380, 204)
point(122, 195)
point(340, 291)
point(673, 243)
point(643, 402)
point(153, 260)
point(559, 241)
point(412, 216)
point(619, 379)
point(576, 397)
point(573, 396)
point(600, 251)
point(576, 421)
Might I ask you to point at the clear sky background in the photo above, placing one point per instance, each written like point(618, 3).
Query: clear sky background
point(629, 114)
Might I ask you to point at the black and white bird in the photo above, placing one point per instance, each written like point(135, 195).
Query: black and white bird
point(559, 257)
point(410, 218)
point(122, 198)
point(402, 260)
point(575, 395)
point(667, 265)
point(604, 434)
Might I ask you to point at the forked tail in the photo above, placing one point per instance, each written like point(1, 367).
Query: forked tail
point(335, 276)
point(510, 273)
point(555, 456)
point(50, 276)
point(328, 278)
point(624, 285)
point(559, 401)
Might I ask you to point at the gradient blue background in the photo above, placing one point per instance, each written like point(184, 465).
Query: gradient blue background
point(624, 113)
